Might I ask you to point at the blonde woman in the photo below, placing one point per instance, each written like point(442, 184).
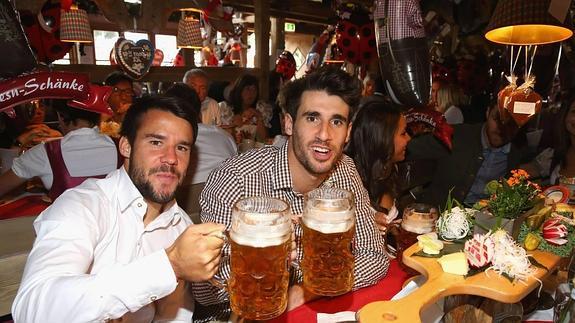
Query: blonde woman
point(450, 99)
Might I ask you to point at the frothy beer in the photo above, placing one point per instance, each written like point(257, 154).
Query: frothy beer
point(260, 247)
point(328, 231)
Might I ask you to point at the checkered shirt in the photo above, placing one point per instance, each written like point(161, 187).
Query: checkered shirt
point(403, 18)
point(265, 172)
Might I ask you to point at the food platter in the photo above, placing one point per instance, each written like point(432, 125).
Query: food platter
point(440, 284)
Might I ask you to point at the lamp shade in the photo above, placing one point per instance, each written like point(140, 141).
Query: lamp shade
point(189, 33)
point(75, 27)
point(526, 22)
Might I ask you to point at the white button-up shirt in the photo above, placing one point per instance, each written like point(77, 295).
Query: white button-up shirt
point(94, 260)
point(86, 152)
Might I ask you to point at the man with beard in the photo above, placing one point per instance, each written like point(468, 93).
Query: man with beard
point(121, 247)
point(317, 113)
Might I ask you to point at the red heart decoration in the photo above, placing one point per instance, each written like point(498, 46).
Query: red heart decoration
point(135, 59)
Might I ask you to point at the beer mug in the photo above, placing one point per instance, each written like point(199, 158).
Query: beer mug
point(418, 218)
point(328, 230)
point(260, 242)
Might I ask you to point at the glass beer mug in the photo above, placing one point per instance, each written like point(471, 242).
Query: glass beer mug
point(328, 224)
point(260, 242)
point(418, 218)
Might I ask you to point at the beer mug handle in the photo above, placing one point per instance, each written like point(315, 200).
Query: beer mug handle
point(217, 280)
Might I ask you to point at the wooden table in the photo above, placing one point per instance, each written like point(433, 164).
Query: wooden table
point(440, 284)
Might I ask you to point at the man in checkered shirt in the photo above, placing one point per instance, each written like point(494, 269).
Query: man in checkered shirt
point(319, 108)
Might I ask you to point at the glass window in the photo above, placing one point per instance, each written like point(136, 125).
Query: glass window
point(167, 44)
point(135, 36)
point(64, 60)
point(104, 41)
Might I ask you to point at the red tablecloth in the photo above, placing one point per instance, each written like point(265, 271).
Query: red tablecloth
point(24, 206)
point(384, 290)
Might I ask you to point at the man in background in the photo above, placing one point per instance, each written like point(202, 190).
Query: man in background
point(64, 163)
point(198, 80)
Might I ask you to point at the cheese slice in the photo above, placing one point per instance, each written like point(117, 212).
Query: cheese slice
point(454, 263)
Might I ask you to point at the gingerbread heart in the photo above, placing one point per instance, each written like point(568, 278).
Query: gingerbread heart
point(503, 98)
point(523, 105)
point(135, 59)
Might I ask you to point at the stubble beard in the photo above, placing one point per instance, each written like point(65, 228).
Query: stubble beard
point(145, 186)
point(305, 160)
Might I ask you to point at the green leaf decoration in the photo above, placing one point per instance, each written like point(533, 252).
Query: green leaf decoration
point(420, 253)
point(561, 251)
point(536, 263)
point(474, 271)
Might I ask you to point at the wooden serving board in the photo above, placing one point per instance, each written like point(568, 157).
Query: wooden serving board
point(440, 284)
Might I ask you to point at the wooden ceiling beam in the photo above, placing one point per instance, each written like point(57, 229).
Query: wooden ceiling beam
point(178, 4)
point(33, 6)
point(117, 12)
point(296, 10)
point(154, 16)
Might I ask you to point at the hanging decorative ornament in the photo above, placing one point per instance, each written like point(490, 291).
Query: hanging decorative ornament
point(219, 16)
point(425, 120)
point(355, 34)
point(237, 32)
point(42, 31)
point(134, 58)
point(503, 97)
point(17, 56)
point(317, 51)
point(519, 103)
point(208, 56)
point(403, 52)
point(524, 102)
point(285, 65)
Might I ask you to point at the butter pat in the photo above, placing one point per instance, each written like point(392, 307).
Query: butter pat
point(454, 263)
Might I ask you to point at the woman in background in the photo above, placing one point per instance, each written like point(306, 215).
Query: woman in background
point(244, 113)
point(378, 142)
point(450, 100)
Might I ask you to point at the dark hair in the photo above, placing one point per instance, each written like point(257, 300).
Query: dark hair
point(70, 115)
point(140, 107)
point(117, 77)
point(236, 92)
point(186, 93)
point(372, 148)
point(330, 79)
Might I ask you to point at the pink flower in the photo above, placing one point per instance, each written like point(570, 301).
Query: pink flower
point(554, 231)
point(479, 250)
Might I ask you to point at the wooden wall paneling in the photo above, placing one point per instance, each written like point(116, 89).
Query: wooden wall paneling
point(98, 73)
point(262, 31)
